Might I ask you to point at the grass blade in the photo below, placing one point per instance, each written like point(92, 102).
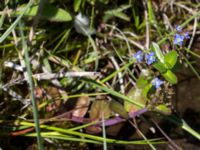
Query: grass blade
point(31, 86)
point(9, 30)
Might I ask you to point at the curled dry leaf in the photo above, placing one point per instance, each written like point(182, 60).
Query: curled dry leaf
point(81, 107)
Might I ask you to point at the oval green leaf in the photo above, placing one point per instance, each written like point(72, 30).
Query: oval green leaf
point(158, 52)
point(170, 77)
point(160, 67)
point(171, 59)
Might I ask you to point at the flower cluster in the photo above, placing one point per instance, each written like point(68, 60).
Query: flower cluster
point(150, 57)
point(179, 37)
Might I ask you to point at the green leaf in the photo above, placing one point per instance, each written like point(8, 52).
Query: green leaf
point(49, 12)
point(160, 67)
point(170, 77)
point(171, 59)
point(151, 12)
point(122, 15)
point(141, 82)
point(142, 25)
point(136, 17)
point(118, 108)
point(145, 90)
point(136, 95)
point(77, 4)
point(2, 19)
point(117, 13)
point(158, 52)
point(163, 109)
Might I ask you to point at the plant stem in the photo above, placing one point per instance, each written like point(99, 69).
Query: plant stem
point(31, 86)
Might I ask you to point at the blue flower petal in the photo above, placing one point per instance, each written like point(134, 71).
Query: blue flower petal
point(157, 82)
point(178, 28)
point(186, 35)
point(150, 58)
point(178, 39)
point(139, 56)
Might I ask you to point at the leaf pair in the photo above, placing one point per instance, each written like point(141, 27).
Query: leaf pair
point(165, 63)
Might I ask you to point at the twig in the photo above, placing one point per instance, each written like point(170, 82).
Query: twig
point(193, 33)
point(123, 35)
point(167, 22)
point(130, 41)
point(10, 64)
point(49, 76)
point(143, 136)
point(15, 95)
point(166, 136)
point(131, 34)
point(121, 81)
point(184, 7)
point(147, 26)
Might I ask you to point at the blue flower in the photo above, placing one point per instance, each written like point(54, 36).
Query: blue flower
point(178, 39)
point(178, 28)
point(157, 83)
point(150, 58)
point(139, 56)
point(186, 35)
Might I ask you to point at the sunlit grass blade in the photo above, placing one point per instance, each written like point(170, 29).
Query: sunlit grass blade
point(56, 135)
point(92, 137)
point(181, 122)
point(9, 30)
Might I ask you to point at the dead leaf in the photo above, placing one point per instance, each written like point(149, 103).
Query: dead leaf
point(98, 107)
point(81, 107)
point(93, 129)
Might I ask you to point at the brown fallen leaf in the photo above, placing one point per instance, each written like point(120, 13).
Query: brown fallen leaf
point(81, 107)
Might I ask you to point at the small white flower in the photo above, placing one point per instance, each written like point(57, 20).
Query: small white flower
point(82, 20)
point(82, 25)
